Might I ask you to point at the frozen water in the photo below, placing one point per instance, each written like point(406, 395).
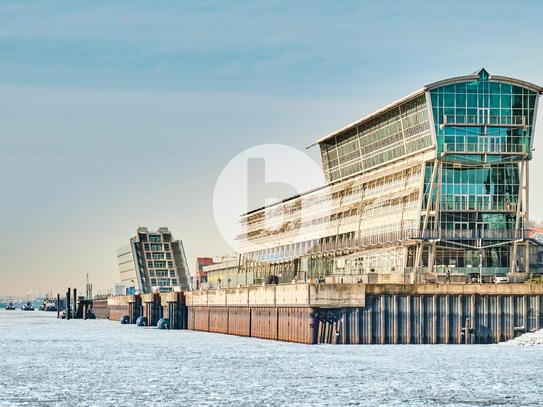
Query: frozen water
point(528, 339)
point(45, 361)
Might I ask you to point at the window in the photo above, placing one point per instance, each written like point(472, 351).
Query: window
point(174, 281)
point(156, 247)
point(154, 238)
point(172, 273)
point(150, 264)
point(170, 264)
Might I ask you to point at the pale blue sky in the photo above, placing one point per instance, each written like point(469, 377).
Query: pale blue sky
point(94, 93)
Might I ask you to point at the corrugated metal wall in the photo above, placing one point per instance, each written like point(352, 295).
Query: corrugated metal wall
point(432, 319)
point(100, 309)
point(264, 322)
point(291, 324)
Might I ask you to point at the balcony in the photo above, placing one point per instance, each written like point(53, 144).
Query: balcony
point(483, 120)
point(486, 146)
point(475, 234)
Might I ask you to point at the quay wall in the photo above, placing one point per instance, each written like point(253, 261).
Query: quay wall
point(100, 309)
point(117, 307)
point(370, 314)
point(348, 313)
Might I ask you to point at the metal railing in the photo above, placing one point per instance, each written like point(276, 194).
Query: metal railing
point(431, 234)
point(485, 147)
point(483, 120)
point(367, 242)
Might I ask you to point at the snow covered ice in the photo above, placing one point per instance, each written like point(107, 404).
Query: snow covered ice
point(528, 339)
point(46, 361)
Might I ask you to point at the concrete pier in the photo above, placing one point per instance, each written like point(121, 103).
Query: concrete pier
point(353, 313)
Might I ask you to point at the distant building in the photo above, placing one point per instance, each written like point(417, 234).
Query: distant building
point(153, 260)
point(226, 273)
point(536, 250)
point(200, 276)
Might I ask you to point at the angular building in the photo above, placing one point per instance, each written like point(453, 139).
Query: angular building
point(432, 185)
point(153, 261)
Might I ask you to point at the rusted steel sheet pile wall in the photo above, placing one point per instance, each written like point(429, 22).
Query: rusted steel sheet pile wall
point(218, 320)
point(239, 321)
point(264, 322)
point(100, 308)
point(118, 306)
point(199, 318)
point(371, 314)
point(280, 312)
point(295, 324)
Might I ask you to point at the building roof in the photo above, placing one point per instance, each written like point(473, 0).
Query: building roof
point(464, 78)
point(536, 234)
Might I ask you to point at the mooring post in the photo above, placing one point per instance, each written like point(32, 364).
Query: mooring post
point(68, 302)
point(58, 306)
point(75, 304)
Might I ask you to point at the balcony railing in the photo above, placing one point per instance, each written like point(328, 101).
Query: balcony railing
point(485, 147)
point(483, 120)
point(463, 205)
point(366, 242)
point(474, 234)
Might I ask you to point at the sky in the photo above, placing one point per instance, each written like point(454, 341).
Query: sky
point(115, 115)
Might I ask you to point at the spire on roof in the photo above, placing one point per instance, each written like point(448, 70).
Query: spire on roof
point(482, 74)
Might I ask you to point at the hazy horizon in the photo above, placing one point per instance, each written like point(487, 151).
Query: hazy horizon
point(115, 116)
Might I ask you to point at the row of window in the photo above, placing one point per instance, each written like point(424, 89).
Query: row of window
point(159, 264)
point(483, 86)
point(162, 273)
point(381, 139)
point(156, 247)
point(163, 282)
point(158, 256)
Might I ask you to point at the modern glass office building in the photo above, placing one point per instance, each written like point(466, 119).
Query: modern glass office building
point(435, 183)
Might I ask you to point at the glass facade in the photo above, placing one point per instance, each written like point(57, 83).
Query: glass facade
point(483, 132)
point(396, 133)
point(475, 119)
point(434, 182)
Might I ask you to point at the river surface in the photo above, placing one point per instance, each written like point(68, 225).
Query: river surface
point(45, 361)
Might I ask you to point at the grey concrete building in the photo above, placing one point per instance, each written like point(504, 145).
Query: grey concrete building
point(153, 261)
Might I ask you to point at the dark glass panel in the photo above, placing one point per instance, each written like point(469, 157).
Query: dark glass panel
point(494, 101)
point(506, 88)
point(461, 100)
point(494, 87)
